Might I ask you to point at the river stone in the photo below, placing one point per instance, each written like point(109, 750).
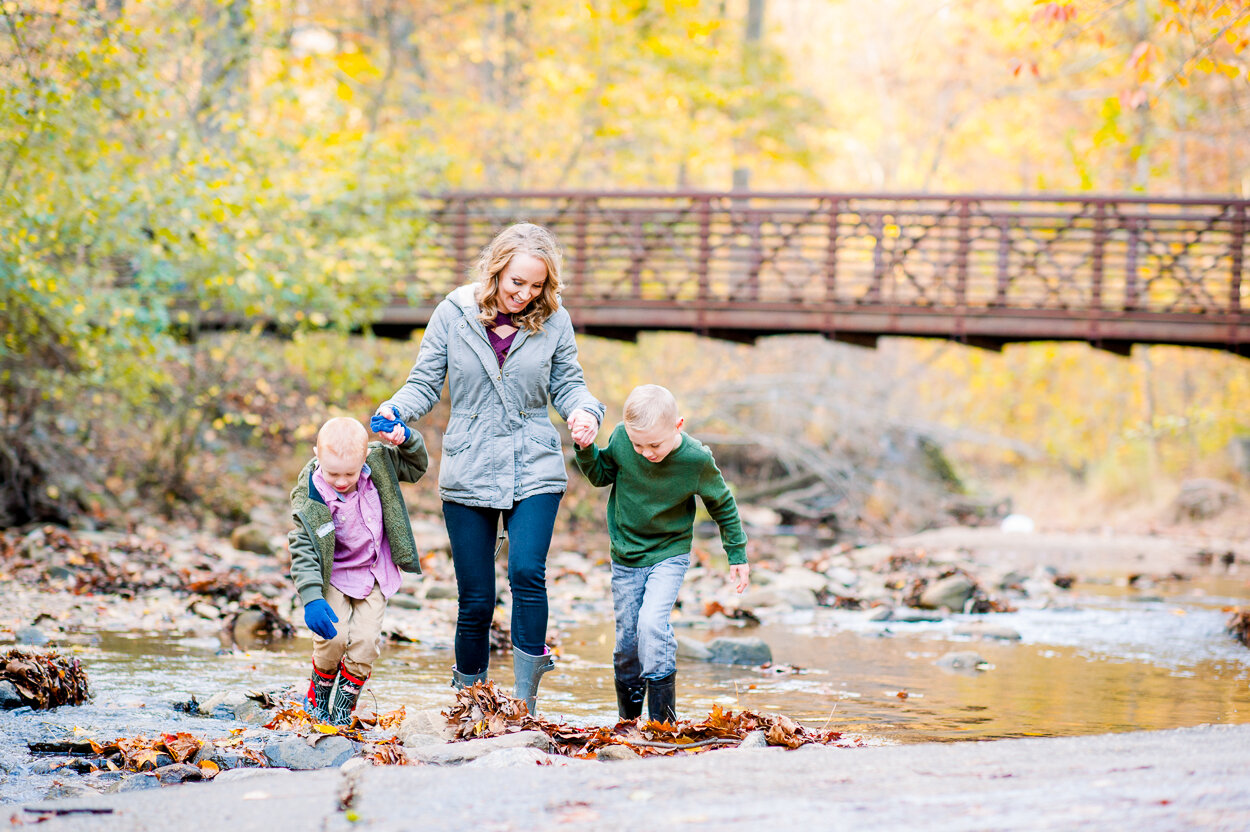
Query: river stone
point(689, 648)
point(951, 592)
point(247, 774)
point(513, 758)
point(135, 783)
point(32, 636)
point(404, 601)
point(295, 753)
point(441, 592)
point(961, 660)
point(982, 629)
point(881, 613)
point(454, 753)
point(251, 712)
point(610, 753)
point(9, 697)
point(226, 699)
point(754, 739)
point(69, 790)
point(799, 598)
point(178, 773)
point(912, 614)
point(794, 577)
point(426, 727)
point(842, 576)
point(752, 651)
point(251, 538)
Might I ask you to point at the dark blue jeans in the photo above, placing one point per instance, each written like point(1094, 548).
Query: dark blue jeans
point(472, 531)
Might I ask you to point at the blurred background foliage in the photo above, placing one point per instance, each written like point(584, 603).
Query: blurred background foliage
point(266, 158)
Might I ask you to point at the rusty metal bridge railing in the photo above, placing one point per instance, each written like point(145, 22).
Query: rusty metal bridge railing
point(985, 270)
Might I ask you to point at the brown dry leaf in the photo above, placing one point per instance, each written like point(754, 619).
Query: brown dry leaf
point(181, 746)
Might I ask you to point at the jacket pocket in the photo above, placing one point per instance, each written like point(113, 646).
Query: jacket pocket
point(544, 461)
point(453, 470)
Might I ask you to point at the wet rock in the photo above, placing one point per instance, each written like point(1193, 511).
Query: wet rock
point(441, 592)
point(32, 636)
point(59, 573)
point(205, 610)
point(615, 752)
point(799, 598)
point(9, 698)
point(135, 783)
point(754, 739)
point(454, 753)
point(513, 758)
point(982, 629)
point(965, 660)
point(223, 703)
point(48, 765)
point(251, 712)
point(296, 754)
point(1200, 499)
point(427, 727)
point(251, 538)
point(404, 601)
point(842, 576)
point(881, 613)
point(951, 592)
point(689, 648)
point(801, 578)
point(912, 615)
point(178, 773)
point(750, 651)
point(68, 790)
point(248, 774)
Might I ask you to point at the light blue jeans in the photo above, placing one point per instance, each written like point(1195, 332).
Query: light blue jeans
point(642, 599)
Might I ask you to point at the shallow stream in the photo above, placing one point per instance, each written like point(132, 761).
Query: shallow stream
point(1113, 659)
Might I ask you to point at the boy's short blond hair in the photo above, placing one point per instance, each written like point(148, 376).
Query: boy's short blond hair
point(343, 436)
point(649, 405)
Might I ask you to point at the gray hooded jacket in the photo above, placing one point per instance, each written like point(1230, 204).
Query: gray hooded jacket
point(500, 445)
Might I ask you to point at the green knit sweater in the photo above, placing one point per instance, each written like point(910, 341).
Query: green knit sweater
point(651, 505)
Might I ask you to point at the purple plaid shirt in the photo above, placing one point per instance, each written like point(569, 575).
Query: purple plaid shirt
point(362, 554)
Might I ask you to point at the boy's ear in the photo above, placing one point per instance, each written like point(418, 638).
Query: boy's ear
point(681, 420)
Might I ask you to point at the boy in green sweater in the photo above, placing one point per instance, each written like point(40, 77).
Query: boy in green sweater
point(655, 470)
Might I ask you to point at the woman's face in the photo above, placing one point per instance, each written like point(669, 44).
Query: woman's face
point(520, 282)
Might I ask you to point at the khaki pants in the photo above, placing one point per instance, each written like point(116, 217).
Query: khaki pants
point(359, 639)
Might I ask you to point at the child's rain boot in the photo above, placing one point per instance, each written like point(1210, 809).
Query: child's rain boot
point(465, 680)
point(661, 698)
point(529, 670)
point(317, 702)
point(629, 698)
point(345, 696)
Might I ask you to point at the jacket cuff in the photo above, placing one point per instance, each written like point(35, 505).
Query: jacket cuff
point(737, 556)
point(311, 593)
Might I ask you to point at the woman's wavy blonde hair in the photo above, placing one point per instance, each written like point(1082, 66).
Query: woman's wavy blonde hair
point(522, 238)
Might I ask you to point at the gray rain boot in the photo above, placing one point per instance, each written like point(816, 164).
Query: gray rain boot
point(464, 680)
point(529, 670)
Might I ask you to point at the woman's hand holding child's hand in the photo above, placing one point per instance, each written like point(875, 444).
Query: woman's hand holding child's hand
point(740, 574)
point(320, 618)
point(584, 427)
point(397, 435)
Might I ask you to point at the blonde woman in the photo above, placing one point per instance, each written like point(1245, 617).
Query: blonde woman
point(505, 347)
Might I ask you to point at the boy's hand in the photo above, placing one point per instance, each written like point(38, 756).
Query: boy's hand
point(320, 618)
point(397, 435)
point(740, 574)
point(584, 427)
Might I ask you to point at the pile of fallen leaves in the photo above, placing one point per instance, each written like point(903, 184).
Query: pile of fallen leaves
point(55, 557)
point(130, 754)
point(483, 710)
point(45, 680)
point(1238, 625)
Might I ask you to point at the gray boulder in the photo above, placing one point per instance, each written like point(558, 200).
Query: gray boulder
point(751, 651)
point(455, 753)
point(300, 754)
point(32, 636)
point(9, 698)
point(964, 660)
point(135, 783)
point(689, 648)
point(178, 773)
point(951, 592)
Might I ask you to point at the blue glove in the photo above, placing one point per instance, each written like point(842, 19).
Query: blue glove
point(320, 618)
point(381, 424)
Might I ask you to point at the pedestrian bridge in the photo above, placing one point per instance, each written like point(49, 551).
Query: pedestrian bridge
point(980, 269)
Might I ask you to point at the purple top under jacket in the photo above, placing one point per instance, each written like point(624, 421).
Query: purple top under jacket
point(501, 345)
point(362, 554)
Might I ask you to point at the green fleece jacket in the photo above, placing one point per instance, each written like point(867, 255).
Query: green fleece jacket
point(311, 542)
point(651, 505)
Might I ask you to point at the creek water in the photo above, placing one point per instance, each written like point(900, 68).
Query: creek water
point(1112, 659)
